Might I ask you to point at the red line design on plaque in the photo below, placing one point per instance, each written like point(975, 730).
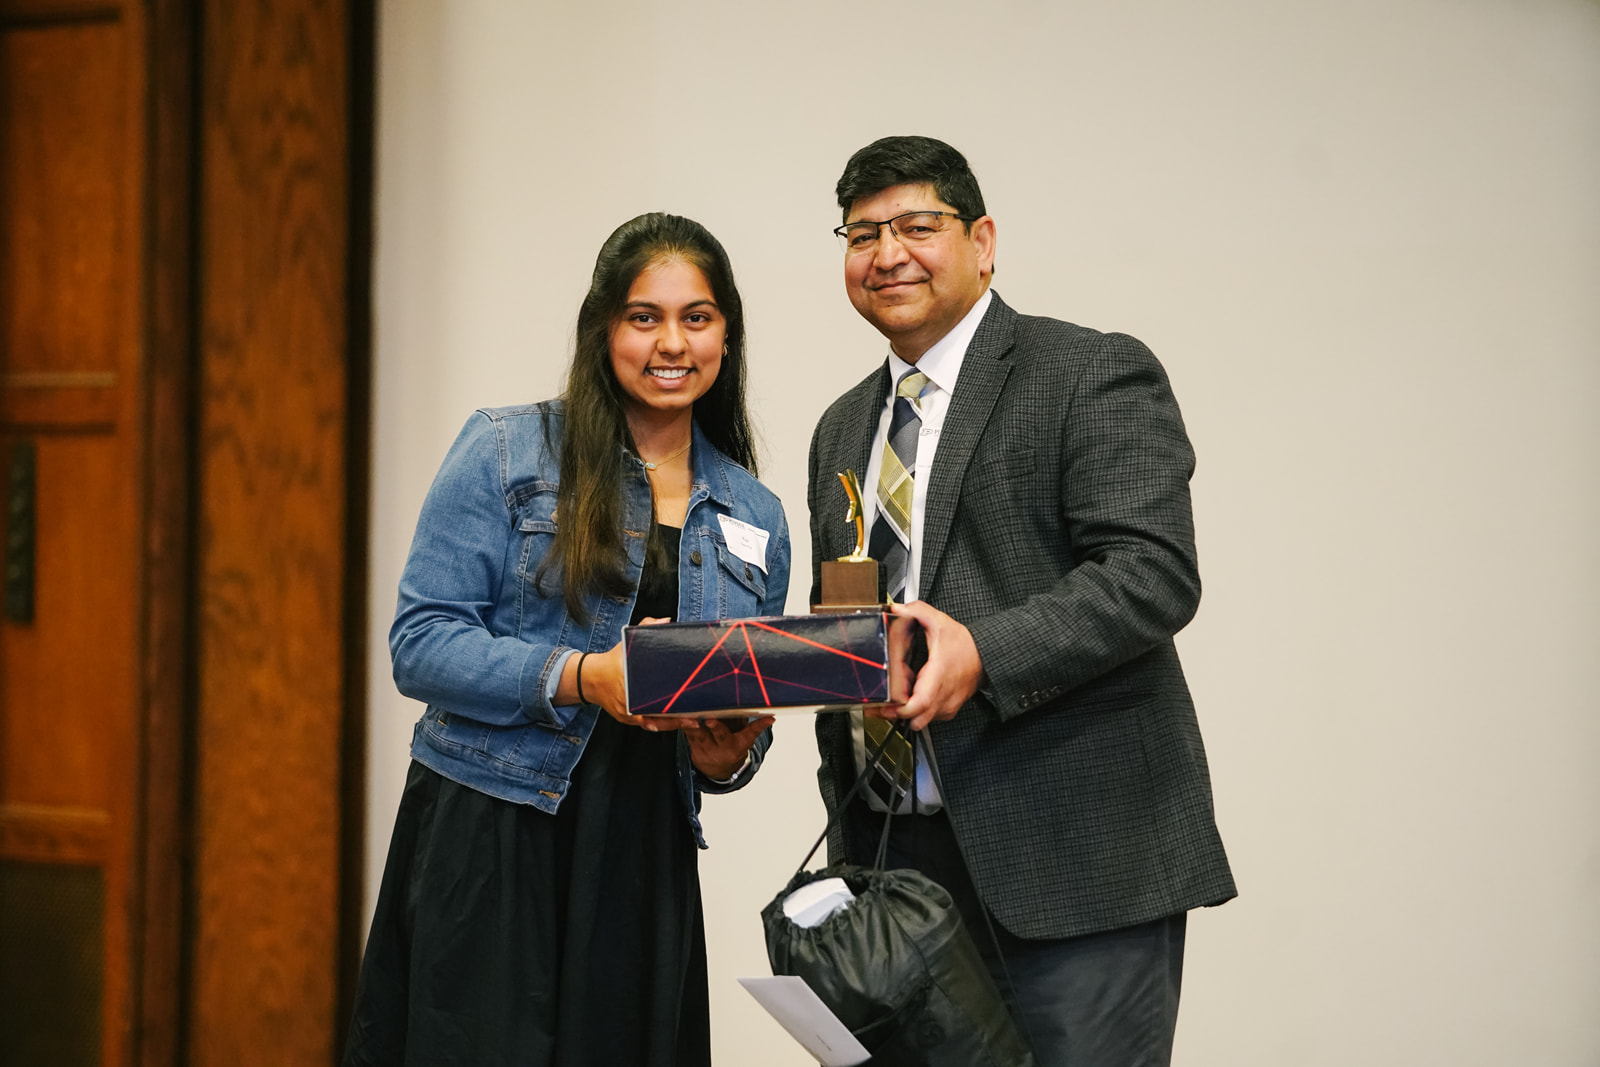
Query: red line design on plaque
point(808, 641)
point(742, 626)
point(700, 668)
point(755, 665)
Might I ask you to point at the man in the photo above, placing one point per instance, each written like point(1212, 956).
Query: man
point(1028, 493)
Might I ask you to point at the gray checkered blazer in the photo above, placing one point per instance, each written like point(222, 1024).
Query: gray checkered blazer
point(1058, 529)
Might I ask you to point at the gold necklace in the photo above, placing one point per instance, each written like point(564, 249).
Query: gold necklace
point(667, 459)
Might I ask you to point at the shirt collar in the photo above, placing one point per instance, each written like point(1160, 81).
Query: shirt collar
point(942, 362)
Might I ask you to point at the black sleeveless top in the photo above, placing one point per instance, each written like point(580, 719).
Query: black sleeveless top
point(658, 585)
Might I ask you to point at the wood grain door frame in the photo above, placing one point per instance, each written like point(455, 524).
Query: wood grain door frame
point(166, 758)
point(256, 398)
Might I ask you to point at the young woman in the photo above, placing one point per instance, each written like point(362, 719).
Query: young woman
point(541, 903)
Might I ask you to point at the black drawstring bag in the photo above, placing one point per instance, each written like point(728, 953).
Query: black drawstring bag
point(897, 966)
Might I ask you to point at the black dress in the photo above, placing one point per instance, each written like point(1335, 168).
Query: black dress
point(507, 936)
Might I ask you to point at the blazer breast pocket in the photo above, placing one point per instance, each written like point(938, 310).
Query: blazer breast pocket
point(1005, 488)
point(1010, 462)
point(1000, 470)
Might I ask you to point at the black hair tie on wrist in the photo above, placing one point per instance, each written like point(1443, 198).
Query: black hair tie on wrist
point(581, 657)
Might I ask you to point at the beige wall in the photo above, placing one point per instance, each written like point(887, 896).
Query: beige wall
point(1365, 240)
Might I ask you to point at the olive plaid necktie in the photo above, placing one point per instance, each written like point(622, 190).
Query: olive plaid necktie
point(891, 544)
point(891, 530)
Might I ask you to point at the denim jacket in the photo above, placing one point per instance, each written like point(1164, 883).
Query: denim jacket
point(475, 640)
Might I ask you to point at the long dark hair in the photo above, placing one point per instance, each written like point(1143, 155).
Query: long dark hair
point(590, 543)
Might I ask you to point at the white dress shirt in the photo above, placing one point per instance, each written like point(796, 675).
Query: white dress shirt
point(942, 364)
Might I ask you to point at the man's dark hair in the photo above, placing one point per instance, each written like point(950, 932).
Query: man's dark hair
point(891, 161)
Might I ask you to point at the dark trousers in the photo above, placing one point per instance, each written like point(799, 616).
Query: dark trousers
point(1101, 1000)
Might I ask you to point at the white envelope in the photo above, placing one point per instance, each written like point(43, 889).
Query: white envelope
point(801, 1012)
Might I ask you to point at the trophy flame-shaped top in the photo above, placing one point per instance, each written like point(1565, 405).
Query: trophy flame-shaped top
point(857, 514)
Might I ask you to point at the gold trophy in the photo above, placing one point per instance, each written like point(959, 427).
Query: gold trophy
point(850, 583)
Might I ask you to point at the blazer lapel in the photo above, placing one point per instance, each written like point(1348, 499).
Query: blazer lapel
point(983, 373)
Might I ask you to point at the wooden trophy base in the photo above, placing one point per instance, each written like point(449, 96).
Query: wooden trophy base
point(849, 585)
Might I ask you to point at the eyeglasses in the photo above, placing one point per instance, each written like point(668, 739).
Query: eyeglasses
point(911, 227)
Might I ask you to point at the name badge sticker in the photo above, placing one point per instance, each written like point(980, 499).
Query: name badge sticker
point(747, 542)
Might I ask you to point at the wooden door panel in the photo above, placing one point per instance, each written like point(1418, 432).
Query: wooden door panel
point(64, 171)
point(68, 679)
point(70, 190)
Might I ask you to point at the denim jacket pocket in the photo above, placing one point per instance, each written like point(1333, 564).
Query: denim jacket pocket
point(455, 734)
point(536, 535)
point(536, 527)
point(742, 587)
